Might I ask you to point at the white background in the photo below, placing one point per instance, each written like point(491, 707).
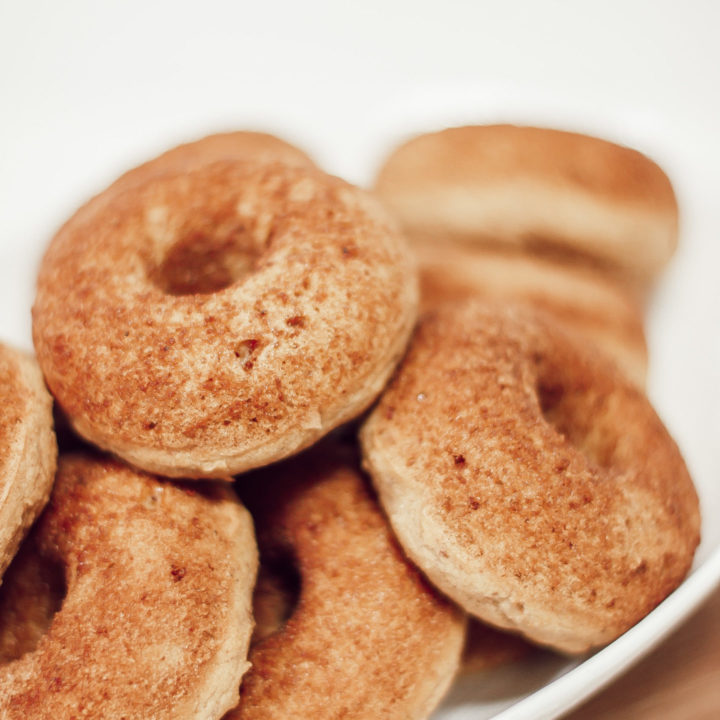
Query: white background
point(88, 89)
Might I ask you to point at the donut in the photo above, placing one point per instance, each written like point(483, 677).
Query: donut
point(209, 322)
point(529, 480)
point(366, 636)
point(156, 619)
point(28, 451)
point(557, 192)
point(586, 301)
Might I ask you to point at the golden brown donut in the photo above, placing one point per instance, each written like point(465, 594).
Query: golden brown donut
point(530, 482)
point(368, 637)
point(28, 451)
point(156, 620)
point(548, 190)
point(206, 323)
point(584, 300)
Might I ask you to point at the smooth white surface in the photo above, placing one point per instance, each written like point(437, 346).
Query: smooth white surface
point(89, 89)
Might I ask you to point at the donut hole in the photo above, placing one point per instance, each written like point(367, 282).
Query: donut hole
point(32, 591)
point(276, 595)
point(205, 261)
point(577, 417)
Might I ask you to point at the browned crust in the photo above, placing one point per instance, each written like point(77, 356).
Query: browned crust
point(321, 300)
point(584, 300)
point(369, 638)
point(156, 620)
point(529, 481)
point(28, 451)
point(432, 181)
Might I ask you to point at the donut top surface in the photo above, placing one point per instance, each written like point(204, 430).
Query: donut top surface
point(368, 636)
point(488, 154)
point(531, 483)
point(210, 321)
point(156, 619)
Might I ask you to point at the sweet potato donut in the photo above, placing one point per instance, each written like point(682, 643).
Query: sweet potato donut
point(546, 189)
point(205, 323)
point(28, 451)
point(368, 638)
point(584, 300)
point(156, 620)
point(530, 481)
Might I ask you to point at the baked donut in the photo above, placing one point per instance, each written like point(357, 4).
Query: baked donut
point(552, 191)
point(584, 300)
point(28, 451)
point(528, 479)
point(367, 638)
point(209, 322)
point(156, 619)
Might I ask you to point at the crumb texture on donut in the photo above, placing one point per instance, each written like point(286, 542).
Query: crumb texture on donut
point(532, 484)
point(209, 322)
point(368, 636)
point(156, 619)
point(28, 451)
point(552, 191)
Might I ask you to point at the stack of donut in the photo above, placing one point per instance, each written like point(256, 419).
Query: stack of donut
point(222, 308)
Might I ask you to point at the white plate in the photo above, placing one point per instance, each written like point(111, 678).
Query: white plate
point(89, 89)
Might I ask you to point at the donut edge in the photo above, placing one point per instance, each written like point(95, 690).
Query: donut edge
point(32, 473)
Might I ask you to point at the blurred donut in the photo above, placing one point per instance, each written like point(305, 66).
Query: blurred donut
point(584, 300)
point(530, 482)
point(567, 194)
point(156, 619)
point(206, 323)
point(367, 636)
point(28, 451)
